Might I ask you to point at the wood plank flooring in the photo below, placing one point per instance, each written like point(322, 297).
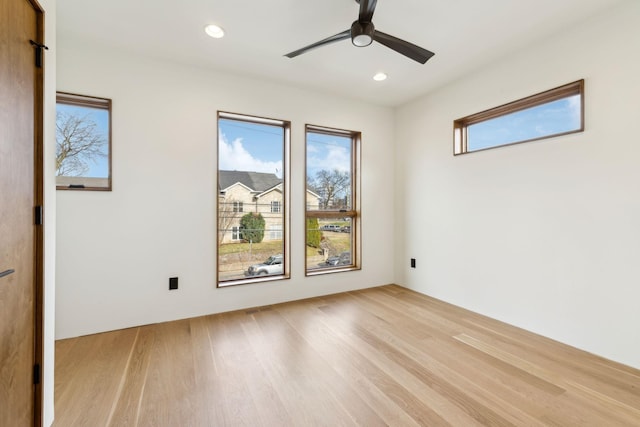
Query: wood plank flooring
point(376, 357)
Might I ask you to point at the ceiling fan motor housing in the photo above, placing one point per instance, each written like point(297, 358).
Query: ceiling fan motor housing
point(362, 33)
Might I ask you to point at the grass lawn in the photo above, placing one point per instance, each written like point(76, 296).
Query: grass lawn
point(271, 246)
point(340, 241)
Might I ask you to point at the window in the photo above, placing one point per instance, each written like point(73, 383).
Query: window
point(558, 111)
point(83, 142)
point(332, 200)
point(235, 233)
point(275, 232)
point(253, 195)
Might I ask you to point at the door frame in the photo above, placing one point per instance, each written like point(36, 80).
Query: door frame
point(38, 180)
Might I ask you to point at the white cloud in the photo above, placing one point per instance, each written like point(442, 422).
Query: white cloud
point(335, 158)
point(233, 156)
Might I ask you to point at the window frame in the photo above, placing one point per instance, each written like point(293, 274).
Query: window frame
point(286, 195)
point(460, 126)
point(354, 214)
point(78, 100)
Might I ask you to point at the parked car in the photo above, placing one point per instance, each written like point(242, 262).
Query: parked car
point(343, 259)
point(273, 265)
point(346, 229)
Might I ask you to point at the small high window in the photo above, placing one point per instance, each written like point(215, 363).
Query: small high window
point(83, 142)
point(558, 111)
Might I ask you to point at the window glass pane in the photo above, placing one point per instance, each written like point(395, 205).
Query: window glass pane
point(329, 243)
point(329, 171)
point(555, 112)
point(332, 212)
point(250, 199)
point(552, 118)
point(82, 142)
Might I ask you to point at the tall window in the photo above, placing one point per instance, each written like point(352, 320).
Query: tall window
point(83, 142)
point(332, 200)
point(253, 195)
point(552, 113)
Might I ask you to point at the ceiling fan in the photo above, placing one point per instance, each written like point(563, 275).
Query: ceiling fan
point(363, 33)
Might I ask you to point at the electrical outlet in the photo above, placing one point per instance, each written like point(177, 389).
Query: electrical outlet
point(173, 283)
point(413, 263)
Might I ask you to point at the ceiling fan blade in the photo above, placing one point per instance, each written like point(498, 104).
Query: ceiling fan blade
point(366, 10)
point(405, 48)
point(335, 38)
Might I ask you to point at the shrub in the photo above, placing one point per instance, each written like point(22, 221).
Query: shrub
point(252, 227)
point(314, 235)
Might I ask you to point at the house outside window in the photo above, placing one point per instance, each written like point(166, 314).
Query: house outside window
point(275, 206)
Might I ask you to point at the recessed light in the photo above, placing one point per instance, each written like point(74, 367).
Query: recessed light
point(380, 77)
point(214, 31)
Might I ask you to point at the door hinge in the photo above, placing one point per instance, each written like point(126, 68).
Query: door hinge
point(39, 47)
point(36, 373)
point(39, 215)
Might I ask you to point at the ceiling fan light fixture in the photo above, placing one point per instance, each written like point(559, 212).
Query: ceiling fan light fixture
point(214, 31)
point(362, 40)
point(362, 34)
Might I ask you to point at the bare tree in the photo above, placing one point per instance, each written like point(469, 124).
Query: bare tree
point(78, 142)
point(334, 187)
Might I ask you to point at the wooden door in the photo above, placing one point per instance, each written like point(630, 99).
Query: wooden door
point(20, 193)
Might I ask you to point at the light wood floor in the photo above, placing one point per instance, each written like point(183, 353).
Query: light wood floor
point(382, 356)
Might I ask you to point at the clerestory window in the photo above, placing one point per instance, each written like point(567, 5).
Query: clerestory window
point(556, 112)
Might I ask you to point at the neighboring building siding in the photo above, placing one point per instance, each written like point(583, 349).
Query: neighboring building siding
point(273, 220)
point(253, 200)
point(313, 201)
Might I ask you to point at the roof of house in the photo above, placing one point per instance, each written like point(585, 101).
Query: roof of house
point(256, 181)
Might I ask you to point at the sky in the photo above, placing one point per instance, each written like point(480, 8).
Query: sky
point(258, 147)
point(328, 152)
point(100, 167)
point(252, 147)
point(536, 122)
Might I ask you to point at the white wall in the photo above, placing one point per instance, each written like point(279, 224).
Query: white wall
point(116, 250)
point(542, 235)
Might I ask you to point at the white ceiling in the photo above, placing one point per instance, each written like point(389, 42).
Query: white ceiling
point(464, 34)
